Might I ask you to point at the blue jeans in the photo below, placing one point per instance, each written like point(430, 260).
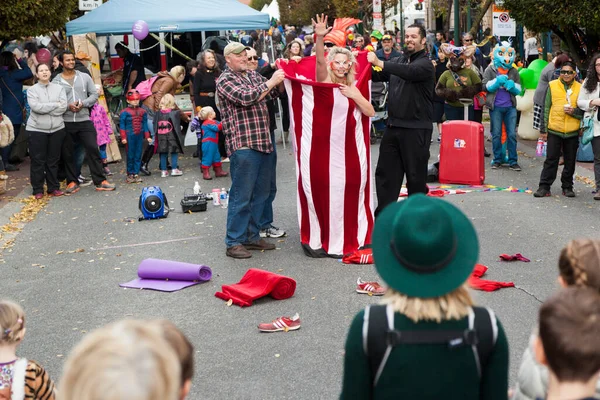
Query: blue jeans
point(102, 150)
point(135, 144)
point(508, 115)
point(174, 161)
point(267, 216)
point(250, 187)
point(457, 113)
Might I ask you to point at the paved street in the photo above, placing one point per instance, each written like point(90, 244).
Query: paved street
point(67, 293)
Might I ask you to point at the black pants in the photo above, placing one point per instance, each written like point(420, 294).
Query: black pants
point(555, 145)
point(45, 150)
point(402, 151)
point(222, 150)
point(285, 113)
point(86, 134)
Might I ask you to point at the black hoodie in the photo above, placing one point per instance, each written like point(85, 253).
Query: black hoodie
point(412, 83)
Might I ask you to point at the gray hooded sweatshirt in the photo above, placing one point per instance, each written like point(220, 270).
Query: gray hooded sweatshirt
point(48, 103)
point(81, 88)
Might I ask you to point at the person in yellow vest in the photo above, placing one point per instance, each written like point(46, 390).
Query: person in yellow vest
point(562, 123)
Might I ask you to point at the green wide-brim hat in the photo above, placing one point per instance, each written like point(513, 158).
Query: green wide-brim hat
point(424, 247)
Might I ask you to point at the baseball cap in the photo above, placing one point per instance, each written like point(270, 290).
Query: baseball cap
point(386, 37)
point(233, 48)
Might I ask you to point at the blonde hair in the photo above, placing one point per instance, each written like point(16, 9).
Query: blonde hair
point(579, 263)
point(12, 322)
point(206, 112)
point(454, 305)
point(334, 51)
point(182, 347)
point(167, 102)
point(125, 360)
point(177, 71)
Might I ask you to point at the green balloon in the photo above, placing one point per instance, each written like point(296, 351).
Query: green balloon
point(527, 77)
point(537, 66)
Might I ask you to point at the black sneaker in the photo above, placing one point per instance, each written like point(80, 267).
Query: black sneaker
point(486, 153)
point(542, 192)
point(495, 165)
point(515, 167)
point(568, 192)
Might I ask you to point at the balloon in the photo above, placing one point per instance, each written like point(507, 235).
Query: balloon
point(44, 56)
point(140, 29)
point(537, 66)
point(527, 78)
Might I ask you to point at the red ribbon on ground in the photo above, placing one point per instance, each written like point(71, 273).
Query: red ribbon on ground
point(477, 283)
point(513, 257)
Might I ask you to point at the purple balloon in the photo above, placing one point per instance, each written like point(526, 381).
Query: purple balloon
point(140, 29)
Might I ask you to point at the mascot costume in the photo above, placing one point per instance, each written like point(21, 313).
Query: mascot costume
point(502, 83)
point(458, 82)
point(330, 139)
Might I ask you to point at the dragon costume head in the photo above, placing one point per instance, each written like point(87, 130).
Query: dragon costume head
point(504, 55)
point(457, 55)
point(337, 35)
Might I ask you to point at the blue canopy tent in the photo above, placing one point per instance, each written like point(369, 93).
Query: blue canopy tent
point(118, 16)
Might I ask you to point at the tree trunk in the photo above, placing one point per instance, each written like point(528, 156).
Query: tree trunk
point(447, 19)
point(484, 7)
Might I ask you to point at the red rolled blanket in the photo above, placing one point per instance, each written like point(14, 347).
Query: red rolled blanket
point(255, 284)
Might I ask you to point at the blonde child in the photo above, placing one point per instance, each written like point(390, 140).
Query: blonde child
point(167, 128)
point(125, 360)
point(210, 143)
point(579, 266)
point(19, 378)
point(185, 353)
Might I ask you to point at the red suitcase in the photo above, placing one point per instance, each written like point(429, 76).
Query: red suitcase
point(461, 153)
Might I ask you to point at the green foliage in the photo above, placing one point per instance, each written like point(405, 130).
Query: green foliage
point(576, 22)
point(259, 4)
point(33, 17)
point(300, 12)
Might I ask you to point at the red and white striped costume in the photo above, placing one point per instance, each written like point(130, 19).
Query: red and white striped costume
point(330, 138)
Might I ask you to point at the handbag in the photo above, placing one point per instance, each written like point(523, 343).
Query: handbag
point(586, 129)
point(23, 110)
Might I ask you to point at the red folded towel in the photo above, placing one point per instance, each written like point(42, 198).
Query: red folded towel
point(255, 284)
point(364, 256)
point(477, 283)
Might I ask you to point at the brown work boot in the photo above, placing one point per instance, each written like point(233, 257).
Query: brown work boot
point(238, 251)
point(219, 173)
point(206, 173)
point(262, 244)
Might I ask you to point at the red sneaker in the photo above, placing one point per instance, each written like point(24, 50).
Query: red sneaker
point(370, 288)
point(281, 324)
point(56, 193)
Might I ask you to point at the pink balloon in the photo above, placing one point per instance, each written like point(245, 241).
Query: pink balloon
point(140, 29)
point(44, 56)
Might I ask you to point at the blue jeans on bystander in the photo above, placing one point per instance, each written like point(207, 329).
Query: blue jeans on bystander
point(250, 187)
point(508, 115)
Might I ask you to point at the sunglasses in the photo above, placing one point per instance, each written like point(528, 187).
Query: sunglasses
point(468, 40)
point(567, 72)
point(329, 44)
point(342, 64)
point(253, 58)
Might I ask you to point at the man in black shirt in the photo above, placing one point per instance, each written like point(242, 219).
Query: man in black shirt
point(133, 70)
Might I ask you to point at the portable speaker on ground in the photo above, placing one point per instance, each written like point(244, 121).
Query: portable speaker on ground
point(153, 203)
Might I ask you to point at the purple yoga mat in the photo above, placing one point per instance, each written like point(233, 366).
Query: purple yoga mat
point(168, 276)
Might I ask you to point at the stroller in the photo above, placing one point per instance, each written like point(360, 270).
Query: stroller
point(379, 96)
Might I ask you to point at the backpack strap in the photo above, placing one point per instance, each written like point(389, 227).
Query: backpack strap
point(378, 321)
point(486, 326)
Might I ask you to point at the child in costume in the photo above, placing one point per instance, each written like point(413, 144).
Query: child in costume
point(167, 126)
point(501, 82)
point(196, 126)
point(99, 118)
point(20, 378)
point(210, 143)
point(133, 124)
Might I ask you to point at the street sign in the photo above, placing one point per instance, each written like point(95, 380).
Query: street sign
point(503, 24)
point(376, 6)
point(86, 5)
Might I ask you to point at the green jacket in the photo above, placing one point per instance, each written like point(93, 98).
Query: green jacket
point(425, 371)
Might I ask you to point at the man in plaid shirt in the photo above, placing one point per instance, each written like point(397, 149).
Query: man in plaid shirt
point(242, 95)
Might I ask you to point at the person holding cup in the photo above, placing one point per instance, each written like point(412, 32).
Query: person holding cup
point(562, 118)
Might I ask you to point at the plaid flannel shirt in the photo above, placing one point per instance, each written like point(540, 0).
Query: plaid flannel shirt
point(245, 119)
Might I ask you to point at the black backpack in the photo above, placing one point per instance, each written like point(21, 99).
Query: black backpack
point(381, 337)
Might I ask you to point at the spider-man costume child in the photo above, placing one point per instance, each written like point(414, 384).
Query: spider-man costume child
point(133, 126)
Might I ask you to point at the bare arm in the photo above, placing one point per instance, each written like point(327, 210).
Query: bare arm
point(320, 27)
point(132, 78)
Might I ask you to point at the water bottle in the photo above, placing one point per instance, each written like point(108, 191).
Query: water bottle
point(544, 149)
point(539, 148)
point(224, 197)
point(196, 188)
point(216, 197)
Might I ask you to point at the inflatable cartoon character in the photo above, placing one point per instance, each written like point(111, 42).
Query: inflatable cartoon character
point(502, 82)
point(458, 82)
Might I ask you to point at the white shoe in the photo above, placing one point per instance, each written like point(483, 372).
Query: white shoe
point(225, 160)
point(176, 172)
point(272, 231)
point(164, 174)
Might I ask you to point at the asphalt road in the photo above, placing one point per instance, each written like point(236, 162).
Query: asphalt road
point(76, 292)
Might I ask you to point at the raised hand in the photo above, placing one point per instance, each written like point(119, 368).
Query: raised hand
point(320, 26)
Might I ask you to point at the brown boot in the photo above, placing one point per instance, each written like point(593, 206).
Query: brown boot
point(3, 182)
point(219, 170)
point(206, 173)
point(238, 251)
